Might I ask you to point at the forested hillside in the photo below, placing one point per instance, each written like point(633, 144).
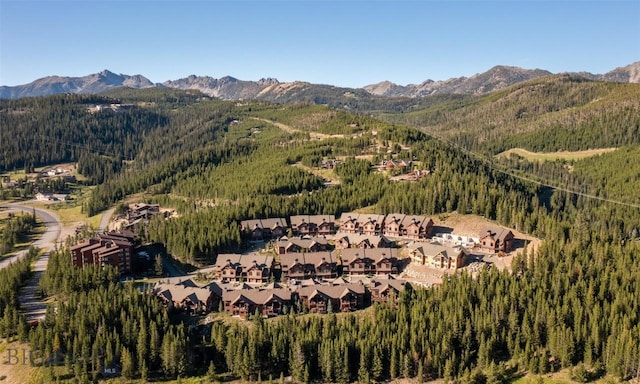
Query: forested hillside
point(575, 302)
point(561, 112)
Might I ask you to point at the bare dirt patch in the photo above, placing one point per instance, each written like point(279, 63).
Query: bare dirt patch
point(552, 156)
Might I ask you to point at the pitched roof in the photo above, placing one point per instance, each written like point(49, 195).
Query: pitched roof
point(178, 293)
point(394, 217)
point(244, 261)
point(257, 296)
point(302, 242)
point(314, 219)
point(274, 222)
point(331, 291)
point(432, 249)
point(385, 283)
point(250, 225)
point(349, 216)
point(313, 258)
point(418, 220)
point(356, 238)
point(376, 254)
point(364, 218)
point(498, 233)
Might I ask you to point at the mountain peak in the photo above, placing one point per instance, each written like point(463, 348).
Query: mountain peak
point(231, 88)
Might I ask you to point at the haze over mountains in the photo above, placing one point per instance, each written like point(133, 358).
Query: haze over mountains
point(230, 88)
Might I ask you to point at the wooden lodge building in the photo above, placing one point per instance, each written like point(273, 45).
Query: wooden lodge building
point(110, 248)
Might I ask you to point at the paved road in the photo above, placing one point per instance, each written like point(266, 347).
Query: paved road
point(30, 304)
point(48, 239)
point(104, 220)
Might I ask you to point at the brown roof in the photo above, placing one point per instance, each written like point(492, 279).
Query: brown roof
point(314, 258)
point(257, 296)
point(374, 218)
point(433, 249)
point(314, 219)
point(304, 242)
point(419, 220)
point(499, 233)
point(355, 238)
point(177, 292)
point(80, 245)
point(274, 222)
point(348, 216)
point(394, 217)
point(395, 284)
point(263, 223)
point(376, 254)
point(331, 291)
point(244, 261)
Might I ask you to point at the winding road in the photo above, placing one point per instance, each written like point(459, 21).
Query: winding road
point(46, 242)
point(30, 304)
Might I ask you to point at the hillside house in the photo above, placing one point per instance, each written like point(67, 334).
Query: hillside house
point(247, 302)
point(383, 289)
point(314, 225)
point(312, 265)
point(264, 229)
point(389, 165)
point(416, 227)
point(496, 240)
point(189, 297)
point(349, 223)
point(375, 261)
point(393, 225)
point(343, 241)
point(319, 298)
point(243, 268)
point(301, 244)
point(371, 224)
point(360, 223)
point(438, 256)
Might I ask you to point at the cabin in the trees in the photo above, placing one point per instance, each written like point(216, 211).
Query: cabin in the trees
point(496, 239)
point(438, 256)
point(385, 289)
point(142, 211)
point(243, 268)
point(375, 261)
point(389, 165)
point(110, 248)
point(315, 225)
point(264, 229)
point(247, 302)
point(301, 244)
point(188, 296)
point(320, 298)
point(311, 265)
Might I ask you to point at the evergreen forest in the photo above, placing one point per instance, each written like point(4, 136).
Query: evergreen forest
point(573, 303)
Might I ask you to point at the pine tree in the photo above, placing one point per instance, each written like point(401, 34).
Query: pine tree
point(128, 364)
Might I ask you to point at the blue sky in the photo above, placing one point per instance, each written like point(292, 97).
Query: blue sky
point(345, 43)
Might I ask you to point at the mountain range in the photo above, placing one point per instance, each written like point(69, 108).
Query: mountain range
point(230, 88)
